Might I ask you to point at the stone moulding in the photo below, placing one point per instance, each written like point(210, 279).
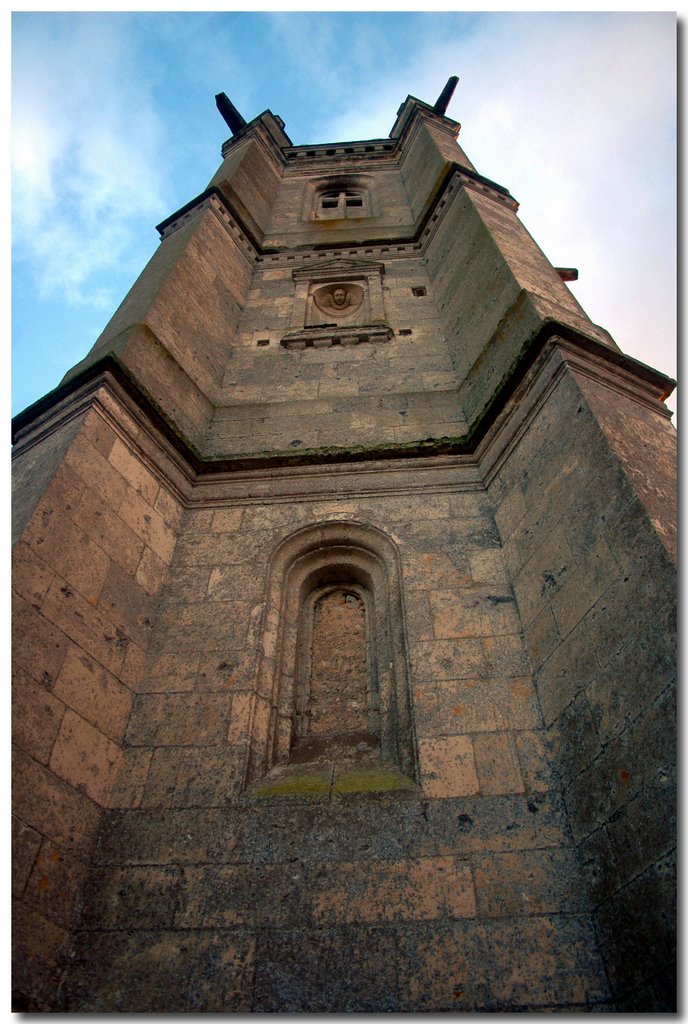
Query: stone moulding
point(326, 337)
point(339, 553)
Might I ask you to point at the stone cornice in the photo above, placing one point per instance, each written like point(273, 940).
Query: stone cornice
point(456, 177)
point(613, 368)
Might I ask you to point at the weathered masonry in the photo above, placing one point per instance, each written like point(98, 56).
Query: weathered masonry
point(344, 593)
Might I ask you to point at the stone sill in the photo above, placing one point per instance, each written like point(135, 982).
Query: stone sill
point(330, 335)
point(321, 782)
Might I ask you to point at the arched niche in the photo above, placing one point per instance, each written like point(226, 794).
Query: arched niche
point(335, 557)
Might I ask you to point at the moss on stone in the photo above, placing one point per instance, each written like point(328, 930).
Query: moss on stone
point(372, 780)
point(295, 784)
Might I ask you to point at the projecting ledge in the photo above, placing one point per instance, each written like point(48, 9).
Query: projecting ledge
point(326, 336)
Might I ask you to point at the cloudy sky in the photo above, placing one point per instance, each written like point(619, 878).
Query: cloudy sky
point(114, 127)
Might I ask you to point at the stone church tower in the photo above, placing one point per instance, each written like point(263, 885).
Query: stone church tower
point(344, 613)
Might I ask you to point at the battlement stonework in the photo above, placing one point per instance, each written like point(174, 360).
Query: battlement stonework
point(344, 614)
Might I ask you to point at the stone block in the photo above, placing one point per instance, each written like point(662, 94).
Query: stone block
point(506, 655)
point(427, 715)
point(105, 527)
point(425, 982)
point(637, 930)
point(129, 898)
point(26, 843)
point(66, 549)
point(94, 693)
point(37, 645)
point(85, 758)
point(528, 882)
point(344, 970)
point(478, 705)
point(171, 673)
point(510, 511)
point(178, 719)
point(197, 520)
point(222, 896)
point(583, 587)
point(132, 972)
point(473, 611)
point(500, 966)
point(208, 778)
point(39, 953)
point(609, 782)
point(215, 625)
point(626, 608)
point(644, 830)
point(36, 716)
point(447, 766)
point(369, 892)
point(497, 764)
point(543, 575)
point(487, 566)
point(134, 472)
point(31, 576)
point(161, 782)
point(169, 508)
point(147, 524)
point(598, 866)
point(86, 626)
point(129, 782)
point(97, 431)
point(223, 979)
point(542, 637)
point(544, 961)
point(436, 570)
point(52, 807)
point(448, 659)
point(189, 836)
point(230, 670)
point(96, 472)
point(133, 670)
point(227, 520)
point(571, 667)
point(55, 887)
point(240, 721)
point(128, 605)
point(573, 738)
point(185, 584)
point(630, 681)
point(151, 572)
point(534, 760)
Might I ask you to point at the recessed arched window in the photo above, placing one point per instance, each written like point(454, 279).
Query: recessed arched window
point(332, 673)
point(333, 204)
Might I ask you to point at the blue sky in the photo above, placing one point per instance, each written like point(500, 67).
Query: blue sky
point(114, 127)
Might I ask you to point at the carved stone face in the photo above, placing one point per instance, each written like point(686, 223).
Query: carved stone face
point(341, 299)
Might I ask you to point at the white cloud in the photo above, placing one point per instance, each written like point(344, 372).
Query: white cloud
point(85, 153)
point(574, 114)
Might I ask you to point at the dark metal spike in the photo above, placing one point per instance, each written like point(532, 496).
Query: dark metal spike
point(445, 96)
point(230, 113)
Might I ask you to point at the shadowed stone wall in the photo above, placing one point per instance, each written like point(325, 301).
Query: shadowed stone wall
point(584, 505)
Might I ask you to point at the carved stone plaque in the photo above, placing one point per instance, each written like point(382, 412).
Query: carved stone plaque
point(339, 300)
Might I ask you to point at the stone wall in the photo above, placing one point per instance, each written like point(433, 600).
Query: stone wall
point(209, 896)
point(585, 507)
point(87, 570)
